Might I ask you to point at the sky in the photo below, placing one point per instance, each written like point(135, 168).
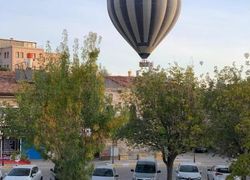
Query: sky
point(216, 32)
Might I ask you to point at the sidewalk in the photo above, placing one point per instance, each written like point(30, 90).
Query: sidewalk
point(203, 159)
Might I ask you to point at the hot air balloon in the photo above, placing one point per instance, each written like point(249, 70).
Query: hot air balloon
point(144, 23)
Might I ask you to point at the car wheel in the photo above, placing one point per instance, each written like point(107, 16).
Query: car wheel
point(41, 178)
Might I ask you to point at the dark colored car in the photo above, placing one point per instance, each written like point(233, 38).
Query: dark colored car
point(200, 150)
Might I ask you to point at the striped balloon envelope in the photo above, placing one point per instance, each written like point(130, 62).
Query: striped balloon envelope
point(144, 23)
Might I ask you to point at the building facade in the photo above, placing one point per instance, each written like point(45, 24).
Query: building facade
point(115, 86)
point(16, 54)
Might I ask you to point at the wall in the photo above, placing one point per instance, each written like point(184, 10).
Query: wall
point(17, 60)
point(3, 60)
point(10, 100)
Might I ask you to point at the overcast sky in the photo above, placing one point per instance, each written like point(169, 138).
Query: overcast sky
point(214, 31)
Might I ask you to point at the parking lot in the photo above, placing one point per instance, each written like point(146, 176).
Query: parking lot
point(203, 160)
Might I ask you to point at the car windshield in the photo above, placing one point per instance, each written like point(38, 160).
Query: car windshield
point(19, 172)
point(103, 172)
point(223, 170)
point(145, 168)
point(188, 168)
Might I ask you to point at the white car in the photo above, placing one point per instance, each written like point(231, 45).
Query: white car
point(24, 172)
point(105, 172)
point(146, 170)
point(219, 172)
point(188, 171)
point(1, 175)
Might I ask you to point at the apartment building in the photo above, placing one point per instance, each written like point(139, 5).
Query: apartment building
point(15, 54)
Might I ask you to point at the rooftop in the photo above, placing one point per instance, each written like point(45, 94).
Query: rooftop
point(12, 42)
point(124, 81)
point(11, 39)
point(8, 84)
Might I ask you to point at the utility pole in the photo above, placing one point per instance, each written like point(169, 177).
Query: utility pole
point(2, 149)
point(113, 151)
point(194, 156)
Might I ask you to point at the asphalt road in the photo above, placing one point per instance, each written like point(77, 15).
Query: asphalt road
point(125, 174)
point(124, 167)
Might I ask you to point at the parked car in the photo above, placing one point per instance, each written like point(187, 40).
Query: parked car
point(200, 150)
point(146, 169)
point(188, 171)
point(1, 175)
point(105, 172)
point(24, 172)
point(219, 172)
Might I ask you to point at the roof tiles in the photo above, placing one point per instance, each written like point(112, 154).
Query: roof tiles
point(8, 84)
point(124, 81)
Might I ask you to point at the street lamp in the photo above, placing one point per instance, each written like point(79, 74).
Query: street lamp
point(194, 156)
point(1, 138)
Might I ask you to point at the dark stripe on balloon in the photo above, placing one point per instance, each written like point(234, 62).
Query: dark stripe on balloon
point(177, 14)
point(139, 17)
point(163, 24)
point(118, 23)
point(153, 18)
point(124, 10)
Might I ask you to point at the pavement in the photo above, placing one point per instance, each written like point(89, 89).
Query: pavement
point(201, 159)
point(123, 167)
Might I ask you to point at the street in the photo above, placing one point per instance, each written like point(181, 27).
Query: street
point(124, 167)
point(202, 160)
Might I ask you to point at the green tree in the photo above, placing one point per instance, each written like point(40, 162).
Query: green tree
point(166, 113)
point(104, 71)
point(59, 109)
point(227, 103)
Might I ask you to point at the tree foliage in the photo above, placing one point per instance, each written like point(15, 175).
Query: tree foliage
point(166, 112)
point(59, 109)
point(228, 108)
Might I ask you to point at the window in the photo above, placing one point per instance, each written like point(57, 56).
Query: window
point(17, 54)
point(104, 172)
point(6, 55)
point(223, 170)
point(19, 172)
point(21, 55)
point(145, 168)
point(188, 168)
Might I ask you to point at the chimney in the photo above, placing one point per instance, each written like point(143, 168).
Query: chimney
point(129, 73)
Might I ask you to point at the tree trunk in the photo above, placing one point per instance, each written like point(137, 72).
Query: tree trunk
point(243, 178)
point(170, 165)
point(169, 162)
